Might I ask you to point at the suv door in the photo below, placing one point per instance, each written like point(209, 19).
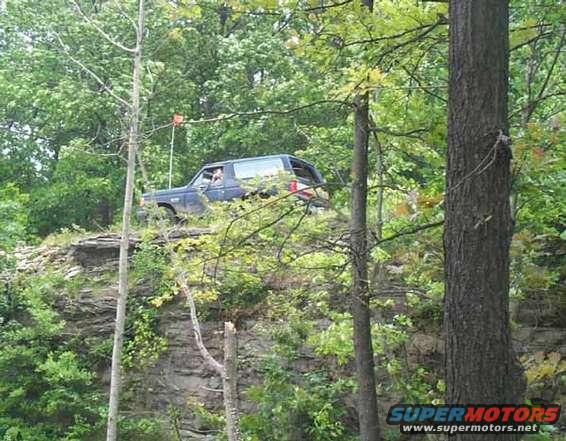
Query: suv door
point(209, 184)
point(232, 187)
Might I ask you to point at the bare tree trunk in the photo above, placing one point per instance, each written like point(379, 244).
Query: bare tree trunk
point(228, 371)
point(380, 189)
point(133, 139)
point(367, 400)
point(230, 382)
point(363, 349)
point(480, 363)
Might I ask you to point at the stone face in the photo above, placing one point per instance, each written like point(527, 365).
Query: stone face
point(97, 250)
point(89, 316)
point(531, 339)
point(180, 376)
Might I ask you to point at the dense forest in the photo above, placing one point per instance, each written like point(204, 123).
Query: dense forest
point(437, 275)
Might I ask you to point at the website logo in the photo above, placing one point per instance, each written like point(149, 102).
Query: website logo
point(472, 418)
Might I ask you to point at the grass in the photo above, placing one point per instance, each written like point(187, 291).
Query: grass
point(66, 236)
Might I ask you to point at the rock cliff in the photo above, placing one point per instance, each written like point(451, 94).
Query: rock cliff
point(179, 375)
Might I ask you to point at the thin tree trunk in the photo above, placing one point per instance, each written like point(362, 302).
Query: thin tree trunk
point(230, 382)
point(115, 375)
point(363, 349)
point(480, 363)
point(380, 189)
point(378, 276)
point(367, 400)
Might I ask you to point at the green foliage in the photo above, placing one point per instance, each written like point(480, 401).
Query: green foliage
point(308, 405)
point(14, 206)
point(540, 197)
point(143, 429)
point(63, 133)
point(48, 390)
point(544, 373)
point(336, 340)
point(84, 190)
point(151, 273)
point(143, 343)
point(209, 420)
point(224, 271)
point(65, 236)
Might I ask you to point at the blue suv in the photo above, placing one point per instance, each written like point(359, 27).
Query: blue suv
point(229, 180)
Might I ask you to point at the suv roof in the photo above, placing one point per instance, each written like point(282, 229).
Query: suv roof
point(231, 161)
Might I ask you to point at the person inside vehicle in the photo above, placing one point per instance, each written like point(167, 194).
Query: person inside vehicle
point(217, 176)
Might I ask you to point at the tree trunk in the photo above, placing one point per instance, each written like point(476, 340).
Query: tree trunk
point(480, 363)
point(230, 382)
point(367, 400)
point(105, 212)
point(363, 349)
point(133, 138)
point(228, 371)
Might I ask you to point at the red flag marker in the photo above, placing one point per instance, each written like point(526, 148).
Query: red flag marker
point(177, 119)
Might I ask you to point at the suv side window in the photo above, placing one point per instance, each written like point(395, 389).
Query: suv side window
point(212, 176)
point(303, 171)
point(258, 168)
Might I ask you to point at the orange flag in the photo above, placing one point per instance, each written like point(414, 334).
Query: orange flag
point(177, 119)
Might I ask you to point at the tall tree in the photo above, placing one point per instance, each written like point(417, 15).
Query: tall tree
point(133, 140)
point(367, 399)
point(480, 363)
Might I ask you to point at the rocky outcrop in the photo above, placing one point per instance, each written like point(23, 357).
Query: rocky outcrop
point(97, 250)
point(180, 376)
